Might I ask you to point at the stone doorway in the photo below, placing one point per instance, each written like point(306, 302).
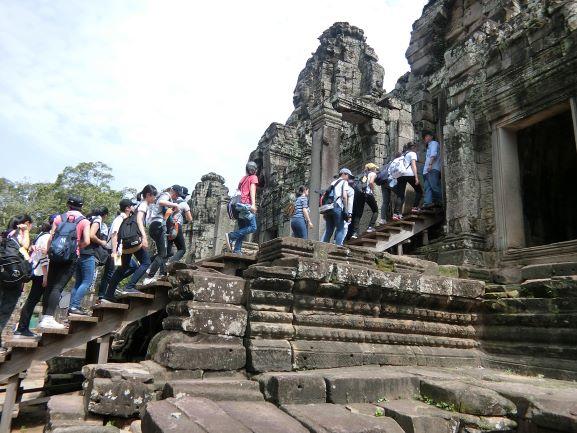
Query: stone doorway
point(534, 161)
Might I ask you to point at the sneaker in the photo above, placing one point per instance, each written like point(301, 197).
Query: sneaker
point(381, 222)
point(48, 322)
point(228, 243)
point(416, 210)
point(146, 282)
point(77, 312)
point(354, 236)
point(370, 230)
point(397, 217)
point(26, 333)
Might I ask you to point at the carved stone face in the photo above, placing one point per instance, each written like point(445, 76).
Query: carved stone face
point(301, 95)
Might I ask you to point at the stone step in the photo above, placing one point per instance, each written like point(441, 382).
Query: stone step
point(543, 350)
point(529, 334)
point(209, 287)
point(557, 287)
point(548, 270)
point(537, 320)
point(67, 410)
point(214, 389)
point(205, 317)
point(530, 305)
point(203, 356)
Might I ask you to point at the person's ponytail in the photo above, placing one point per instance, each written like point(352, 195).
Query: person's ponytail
point(148, 189)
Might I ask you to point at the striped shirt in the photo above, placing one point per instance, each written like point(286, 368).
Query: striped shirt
point(302, 202)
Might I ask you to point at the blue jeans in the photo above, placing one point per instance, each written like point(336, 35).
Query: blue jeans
point(433, 194)
point(85, 269)
point(246, 226)
point(335, 220)
point(109, 271)
point(299, 227)
point(124, 271)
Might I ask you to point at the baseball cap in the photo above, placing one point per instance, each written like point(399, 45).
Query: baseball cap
point(183, 193)
point(126, 202)
point(75, 200)
point(345, 171)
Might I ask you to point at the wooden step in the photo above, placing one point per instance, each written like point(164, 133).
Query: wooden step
point(111, 306)
point(80, 318)
point(24, 343)
point(46, 331)
point(213, 265)
point(136, 295)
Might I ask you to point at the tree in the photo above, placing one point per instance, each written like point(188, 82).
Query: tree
point(90, 180)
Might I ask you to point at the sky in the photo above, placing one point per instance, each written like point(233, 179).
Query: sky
point(164, 91)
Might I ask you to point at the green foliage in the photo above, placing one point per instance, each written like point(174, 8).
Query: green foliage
point(90, 180)
point(379, 411)
point(440, 404)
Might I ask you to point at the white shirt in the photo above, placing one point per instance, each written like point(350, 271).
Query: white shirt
point(343, 187)
point(155, 212)
point(183, 207)
point(40, 255)
point(370, 177)
point(408, 170)
point(114, 228)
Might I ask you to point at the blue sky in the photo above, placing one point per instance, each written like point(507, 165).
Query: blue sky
point(164, 91)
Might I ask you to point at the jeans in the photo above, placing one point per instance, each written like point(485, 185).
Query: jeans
point(246, 226)
point(85, 270)
point(299, 227)
point(360, 207)
point(157, 232)
point(59, 274)
point(386, 192)
point(127, 268)
point(107, 272)
point(9, 295)
point(400, 191)
point(433, 193)
point(36, 292)
point(335, 220)
point(180, 244)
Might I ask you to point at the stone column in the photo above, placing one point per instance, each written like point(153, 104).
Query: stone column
point(326, 124)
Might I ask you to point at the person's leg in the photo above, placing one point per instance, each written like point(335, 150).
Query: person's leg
point(329, 226)
point(122, 272)
point(34, 296)
point(418, 191)
point(158, 234)
point(58, 276)
point(144, 260)
point(297, 227)
point(437, 192)
point(386, 193)
point(87, 267)
point(248, 226)
point(9, 295)
point(180, 244)
point(358, 209)
point(428, 201)
point(400, 192)
point(339, 226)
point(372, 202)
point(107, 272)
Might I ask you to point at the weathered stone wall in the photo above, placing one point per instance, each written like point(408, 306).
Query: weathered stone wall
point(475, 65)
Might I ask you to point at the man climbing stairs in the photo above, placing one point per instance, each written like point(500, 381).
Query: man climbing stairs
point(395, 233)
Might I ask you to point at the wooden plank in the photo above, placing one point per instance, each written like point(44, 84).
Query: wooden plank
point(111, 306)
point(24, 343)
point(9, 403)
point(136, 296)
point(63, 331)
point(82, 319)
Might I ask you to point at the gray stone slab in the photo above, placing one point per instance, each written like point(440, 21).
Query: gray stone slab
point(117, 397)
point(326, 354)
point(204, 287)
point(293, 388)
point(215, 389)
point(208, 318)
point(205, 356)
point(269, 355)
point(332, 418)
point(262, 417)
point(164, 417)
point(417, 417)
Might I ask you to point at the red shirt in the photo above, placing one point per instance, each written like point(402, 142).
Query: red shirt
point(79, 227)
point(244, 188)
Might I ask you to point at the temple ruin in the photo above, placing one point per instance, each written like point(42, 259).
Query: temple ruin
point(473, 329)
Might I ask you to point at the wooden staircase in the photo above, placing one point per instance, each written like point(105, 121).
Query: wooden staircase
point(395, 233)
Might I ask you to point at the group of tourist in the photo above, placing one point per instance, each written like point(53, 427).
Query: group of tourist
point(347, 195)
point(73, 244)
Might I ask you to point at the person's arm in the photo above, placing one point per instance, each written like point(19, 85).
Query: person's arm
point(307, 217)
point(167, 203)
point(140, 223)
point(188, 216)
point(52, 230)
point(114, 240)
point(414, 167)
point(372, 178)
point(93, 235)
point(433, 157)
point(85, 236)
point(253, 197)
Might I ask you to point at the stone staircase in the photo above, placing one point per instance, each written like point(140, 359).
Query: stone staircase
point(395, 233)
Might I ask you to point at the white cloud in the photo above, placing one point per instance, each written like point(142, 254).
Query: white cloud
point(165, 91)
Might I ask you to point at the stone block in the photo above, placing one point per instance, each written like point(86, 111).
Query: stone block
point(86, 429)
point(468, 399)
point(326, 354)
point(449, 271)
point(364, 386)
point(209, 318)
point(262, 417)
point(272, 284)
point(333, 418)
point(417, 417)
point(162, 374)
point(117, 397)
point(211, 288)
point(269, 355)
point(214, 389)
point(129, 371)
point(293, 388)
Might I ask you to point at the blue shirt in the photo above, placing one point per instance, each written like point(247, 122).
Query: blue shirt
point(432, 151)
point(302, 202)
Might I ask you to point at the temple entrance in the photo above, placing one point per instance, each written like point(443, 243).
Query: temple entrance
point(548, 163)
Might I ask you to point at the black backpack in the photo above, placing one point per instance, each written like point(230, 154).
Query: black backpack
point(129, 233)
point(383, 175)
point(327, 199)
point(360, 183)
point(14, 268)
point(65, 240)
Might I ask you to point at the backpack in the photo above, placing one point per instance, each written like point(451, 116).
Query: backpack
point(65, 240)
point(232, 210)
point(129, 234)
point(14, 268)
point(327, 200)
point(289, 209)
point(383, 175)
point(360, 183)
point(98, 251)
point(397, 167)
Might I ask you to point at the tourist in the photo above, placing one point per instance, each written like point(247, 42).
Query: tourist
point(17, 233)
point(409, 175)
point(432, 172)
point(175, 232)
point(365, 193)
point(246, 209)
point(343, 208)
point(70, 233)
point(301, 219)
point(90, 257)
point(158, 213)
point(126, 207)
point(387, 186)
point(146, 199)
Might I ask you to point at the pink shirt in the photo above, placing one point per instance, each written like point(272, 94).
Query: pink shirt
point(244, 188)
point(79, 228)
